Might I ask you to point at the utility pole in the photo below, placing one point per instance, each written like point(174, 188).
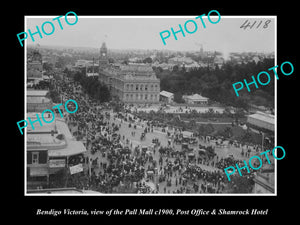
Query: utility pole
point(262, 141)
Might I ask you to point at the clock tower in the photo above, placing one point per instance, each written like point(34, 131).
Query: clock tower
point(103, 59)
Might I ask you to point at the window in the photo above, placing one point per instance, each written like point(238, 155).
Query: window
point(131, 87)
point(127, 87)
point(141, 87)
point(151, 87)
point(146, 96)
point(35, 158)
point(136, 87)
point(146, 87)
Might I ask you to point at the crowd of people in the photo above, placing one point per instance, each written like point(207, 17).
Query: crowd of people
point(120, 166)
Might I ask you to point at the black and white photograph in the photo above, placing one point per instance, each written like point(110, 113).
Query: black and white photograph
point(151, 105)
point(184, 113)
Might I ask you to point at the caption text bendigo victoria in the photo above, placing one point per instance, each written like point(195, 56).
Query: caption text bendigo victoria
point(149, 212)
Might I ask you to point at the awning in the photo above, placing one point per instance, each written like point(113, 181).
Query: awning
point(72, 148)
point(38, 171)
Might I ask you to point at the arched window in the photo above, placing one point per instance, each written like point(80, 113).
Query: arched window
point(141, 87)
point(146, 87)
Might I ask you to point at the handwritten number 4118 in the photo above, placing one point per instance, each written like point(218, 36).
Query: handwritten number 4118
point(257, 24)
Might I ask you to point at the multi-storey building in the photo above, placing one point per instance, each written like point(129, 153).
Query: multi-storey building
point(37, 101)
point(50, 149)
point(134, 83)
point(34, 67)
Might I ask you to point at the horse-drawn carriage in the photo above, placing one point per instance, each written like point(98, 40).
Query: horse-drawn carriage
point(207, 151)
point(185, 147)
point(150, 174)
point(125, 150)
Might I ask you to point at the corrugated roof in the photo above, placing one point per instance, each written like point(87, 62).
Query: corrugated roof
point(37, 92)
point(55, 147)
point(196, 97)
point(72, 148)
point(166, 94)
point(263, 117)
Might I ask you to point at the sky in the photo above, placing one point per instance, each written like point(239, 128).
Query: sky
point(125, 32)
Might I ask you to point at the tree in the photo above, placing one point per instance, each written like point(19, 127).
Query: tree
point(175, 68)
point(209, 128)
point(206, 129)
point(239, 113)
point(178, 98)
point(54, 96)
point(147, 60)
point(111, 60)
point(241, 184)
point(78, 77)
point(227, 112)
point(192, 123)
point(226, 132)
point(47, 66)
point(216, 84)
point(246, 137)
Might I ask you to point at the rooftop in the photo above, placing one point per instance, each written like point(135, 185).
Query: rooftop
point(263, 117)
point(132, 72)
point(36, 93)
point(166, 94)
point(136, 68)
point(186, 60)
point(72, 148)
point(62, 143)
point(196, 97)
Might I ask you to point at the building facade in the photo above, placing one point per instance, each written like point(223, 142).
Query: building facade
point(37, 101)
point(166, 97)
point(34, 67)
point(134, 83)
point(264, 182)
point(50, 149)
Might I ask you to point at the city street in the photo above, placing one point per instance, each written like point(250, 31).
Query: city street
point(126, 132)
